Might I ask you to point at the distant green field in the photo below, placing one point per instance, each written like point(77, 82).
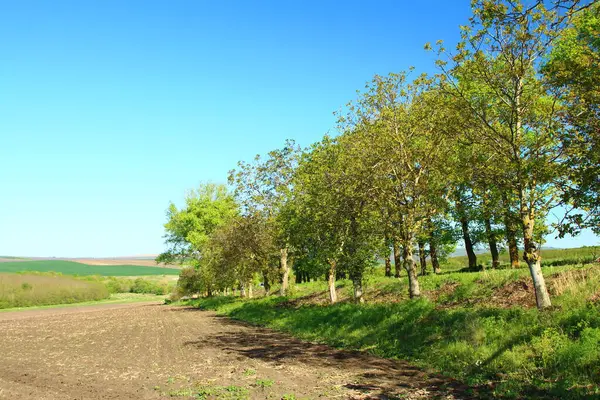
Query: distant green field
point(550, 257)
point(74, 268)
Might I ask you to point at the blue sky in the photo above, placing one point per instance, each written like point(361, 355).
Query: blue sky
point(111, 109)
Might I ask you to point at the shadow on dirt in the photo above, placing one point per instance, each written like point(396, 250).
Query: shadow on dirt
point(376, 377)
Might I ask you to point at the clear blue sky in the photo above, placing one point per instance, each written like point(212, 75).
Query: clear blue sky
point(111, 109)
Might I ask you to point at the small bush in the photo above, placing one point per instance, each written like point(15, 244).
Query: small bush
point(115, 285)
point(141, 285)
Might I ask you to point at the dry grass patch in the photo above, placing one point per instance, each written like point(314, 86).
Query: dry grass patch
point(21, 290)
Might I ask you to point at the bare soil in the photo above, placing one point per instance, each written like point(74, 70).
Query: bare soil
point(145, 262)
point(12, 259)
point(120, 261)
point(150, 351)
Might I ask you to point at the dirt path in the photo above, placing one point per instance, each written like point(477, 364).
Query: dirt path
point(149, 351)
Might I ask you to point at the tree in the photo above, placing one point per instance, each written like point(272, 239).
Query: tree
point(398, 127)
point(571, 74)
point(188, 229)
point(330, 222)
point(463, 210)
point(244, 248)
point(493, 77)
point(264, 187)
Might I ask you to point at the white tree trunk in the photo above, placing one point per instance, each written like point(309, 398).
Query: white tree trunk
point(409, 266)
point(358, 290)
point(331, 282)
point(285, 272)
point(532, 258)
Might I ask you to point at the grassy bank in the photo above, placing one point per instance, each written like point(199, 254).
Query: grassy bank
point(20, 290)
point(481, 328)
point(75, 268)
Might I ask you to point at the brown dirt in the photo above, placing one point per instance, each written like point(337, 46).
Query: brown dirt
point(120, 261)
point(146, 262)
point(517, 293)
point(149, 351)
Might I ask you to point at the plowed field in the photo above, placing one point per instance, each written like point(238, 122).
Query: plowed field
point(150, 351)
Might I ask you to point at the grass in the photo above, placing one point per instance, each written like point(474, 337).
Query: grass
point(481, 328)
point(264, 383)
point(75, 268)
point(18, 290)
point(203, 391)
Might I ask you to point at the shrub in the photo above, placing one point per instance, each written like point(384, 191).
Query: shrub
point(141, 285)
point(115, 285)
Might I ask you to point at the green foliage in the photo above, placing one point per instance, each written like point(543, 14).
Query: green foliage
point(231, 392)
point(571, 74)
point(330, 224)
point(141, 285)
point(75, 268)
point(115, 285)
point(264, 189)
point(264, 383)
point(20, 290)
point(190, 282)
point(188, 230)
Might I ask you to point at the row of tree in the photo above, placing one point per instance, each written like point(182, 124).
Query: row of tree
point(505, 132)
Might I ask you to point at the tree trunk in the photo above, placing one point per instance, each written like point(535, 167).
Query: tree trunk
point(285, 272)
point(250, 294)
point(242, 291)
point(358, 289)
point(388, 266)
point(388, 261)
point(464, 224)
point(422, 258)
point(266, 283)
point(492, 243)
point(397, 262)
point(331, 282)
point(532, 258)
point(435, 263)
point(511, 239)
point(409, 266)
